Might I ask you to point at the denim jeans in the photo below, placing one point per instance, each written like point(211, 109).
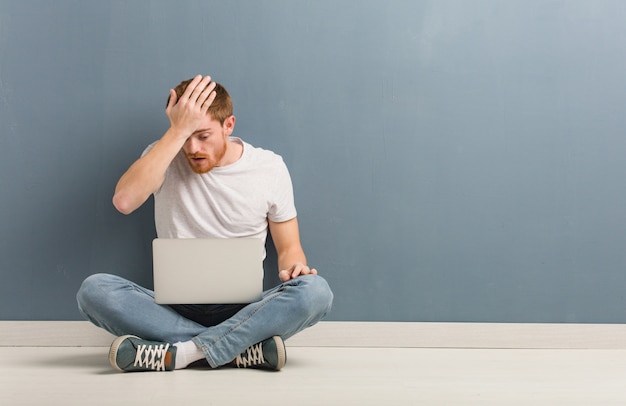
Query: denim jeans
point(222, 331)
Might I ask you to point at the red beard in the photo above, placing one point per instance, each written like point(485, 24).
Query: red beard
point(202, 163)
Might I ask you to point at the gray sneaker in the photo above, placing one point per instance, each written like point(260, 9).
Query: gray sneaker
point(268, 354)
point(132, 354)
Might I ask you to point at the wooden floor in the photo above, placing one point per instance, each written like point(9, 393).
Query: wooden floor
point(325, 376)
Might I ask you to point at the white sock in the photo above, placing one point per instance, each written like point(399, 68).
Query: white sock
point(186, 353)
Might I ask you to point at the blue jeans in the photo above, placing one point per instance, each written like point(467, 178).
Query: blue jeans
point(222, 331)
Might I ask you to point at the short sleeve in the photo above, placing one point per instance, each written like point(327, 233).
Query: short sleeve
point(282, 207)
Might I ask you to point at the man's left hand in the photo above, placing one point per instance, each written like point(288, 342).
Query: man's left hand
point(294, 271)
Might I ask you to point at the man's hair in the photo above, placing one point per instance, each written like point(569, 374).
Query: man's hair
point(222, 106)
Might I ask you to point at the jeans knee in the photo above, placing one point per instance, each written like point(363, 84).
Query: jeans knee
point(317, 295)
point(92, 290)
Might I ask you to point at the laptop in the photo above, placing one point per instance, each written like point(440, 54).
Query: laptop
point(207, 271)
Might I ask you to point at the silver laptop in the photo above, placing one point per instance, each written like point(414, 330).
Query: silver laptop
point(207, 271)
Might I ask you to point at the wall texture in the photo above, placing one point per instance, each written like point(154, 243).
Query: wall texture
point(452, 160)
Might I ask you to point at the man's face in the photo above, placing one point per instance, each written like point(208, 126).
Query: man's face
point(206, 147)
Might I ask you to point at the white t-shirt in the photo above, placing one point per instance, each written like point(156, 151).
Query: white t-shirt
point(232, 201)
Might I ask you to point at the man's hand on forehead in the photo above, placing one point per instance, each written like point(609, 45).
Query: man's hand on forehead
point(187, 113)
point(200, 92)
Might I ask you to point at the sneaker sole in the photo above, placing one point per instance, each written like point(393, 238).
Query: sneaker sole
point(282, 353)
point(114, 348)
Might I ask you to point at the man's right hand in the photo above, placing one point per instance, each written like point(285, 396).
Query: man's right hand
point(187, 112)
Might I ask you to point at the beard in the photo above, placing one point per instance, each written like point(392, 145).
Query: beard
point(203, 163)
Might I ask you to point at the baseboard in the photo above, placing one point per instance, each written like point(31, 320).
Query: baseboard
point(359, 334)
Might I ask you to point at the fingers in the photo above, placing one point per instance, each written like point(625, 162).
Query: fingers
point(284, 275)
point(171, 101)
point(199, 93)
point(294, 271)
point(208, 95)
point(194, 102)
point(192, 87)
point(198, 89)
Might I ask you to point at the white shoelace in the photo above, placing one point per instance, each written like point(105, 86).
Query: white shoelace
point(252, 356)
point(151, 356)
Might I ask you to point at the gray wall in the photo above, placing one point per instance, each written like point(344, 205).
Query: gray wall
point(452, 160)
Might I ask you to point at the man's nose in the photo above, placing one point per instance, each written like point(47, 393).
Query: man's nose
point(193, 146)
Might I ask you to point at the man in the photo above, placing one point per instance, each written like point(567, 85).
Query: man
point(207, 184)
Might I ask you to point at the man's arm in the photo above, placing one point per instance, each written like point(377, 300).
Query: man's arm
point(147, 174)
point(291, 258)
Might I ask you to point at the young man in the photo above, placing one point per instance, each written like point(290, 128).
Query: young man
point(207, 184)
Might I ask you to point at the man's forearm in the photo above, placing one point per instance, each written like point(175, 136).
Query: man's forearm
point(146, 175)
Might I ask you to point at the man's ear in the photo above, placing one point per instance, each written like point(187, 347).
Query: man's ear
point(229, 125)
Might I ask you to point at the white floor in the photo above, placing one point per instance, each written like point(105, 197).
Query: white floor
point(325, 376)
